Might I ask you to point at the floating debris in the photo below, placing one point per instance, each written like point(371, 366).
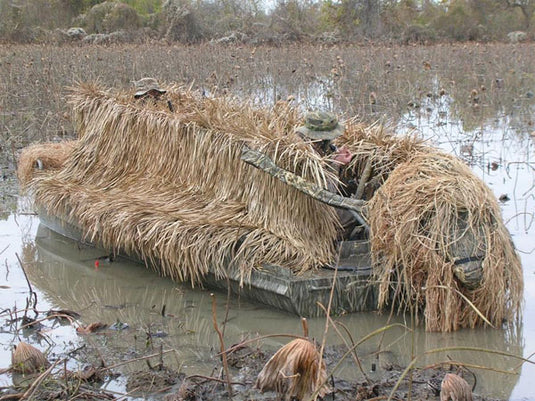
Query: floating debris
point(91, 328)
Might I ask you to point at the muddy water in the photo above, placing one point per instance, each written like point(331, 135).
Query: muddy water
point(64, 276)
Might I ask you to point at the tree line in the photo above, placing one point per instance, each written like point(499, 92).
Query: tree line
point(190, 21)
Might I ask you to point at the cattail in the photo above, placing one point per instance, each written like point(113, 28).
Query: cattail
point(25, 358)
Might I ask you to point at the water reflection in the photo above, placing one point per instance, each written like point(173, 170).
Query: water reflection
point(499, 146)
point(497, 149)
point(130, 293)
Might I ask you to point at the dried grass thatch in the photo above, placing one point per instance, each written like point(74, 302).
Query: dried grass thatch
point(375, 148)
point(431, 211)
point(45, 156)
point(293, 372)
point(170, 186)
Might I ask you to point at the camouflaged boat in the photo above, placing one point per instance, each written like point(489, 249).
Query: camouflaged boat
point(222, 194)
point(280, 288)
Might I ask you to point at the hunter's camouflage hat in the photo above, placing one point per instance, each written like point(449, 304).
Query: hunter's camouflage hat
point(321, 125)
point(145, 85)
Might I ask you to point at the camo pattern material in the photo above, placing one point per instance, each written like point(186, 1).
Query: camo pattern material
point(321, 121)
point(145, 85)
point(321, 125)
point(263, 162)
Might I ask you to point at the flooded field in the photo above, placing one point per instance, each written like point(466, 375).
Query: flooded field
point(476, 102)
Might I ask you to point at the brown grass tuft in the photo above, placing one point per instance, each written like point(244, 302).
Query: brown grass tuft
point(431, 212)
point(293, 372)
point(50, 156)
point(374, 144)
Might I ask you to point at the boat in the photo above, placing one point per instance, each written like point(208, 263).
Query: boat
point(228, 196)
point(349, 281)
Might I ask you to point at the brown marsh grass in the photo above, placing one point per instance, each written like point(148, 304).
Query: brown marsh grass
point(372, 82)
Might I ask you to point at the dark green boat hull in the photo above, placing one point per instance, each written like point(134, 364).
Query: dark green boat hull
point(278, 287)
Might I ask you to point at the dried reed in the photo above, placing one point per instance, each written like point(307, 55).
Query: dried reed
point(170, 187)
point(431, 212)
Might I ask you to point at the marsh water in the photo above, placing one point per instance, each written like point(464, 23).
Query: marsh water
point(64, 275)
point(147, 312)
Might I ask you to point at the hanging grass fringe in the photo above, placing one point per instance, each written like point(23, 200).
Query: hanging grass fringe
point(170, 187)
point(433, 222)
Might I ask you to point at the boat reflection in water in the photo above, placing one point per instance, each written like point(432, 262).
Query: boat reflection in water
point(160, 311)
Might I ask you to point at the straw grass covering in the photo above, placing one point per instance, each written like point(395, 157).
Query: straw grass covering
point(376, 148)
point(170, 187)
point(45, 156)
point(438, 242)
point(431, 213)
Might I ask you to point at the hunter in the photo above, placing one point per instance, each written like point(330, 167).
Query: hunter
point(320, 129)
point(148, 88)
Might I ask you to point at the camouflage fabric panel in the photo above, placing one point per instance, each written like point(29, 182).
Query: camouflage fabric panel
point(263, 162)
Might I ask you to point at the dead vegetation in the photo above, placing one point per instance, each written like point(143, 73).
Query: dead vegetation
point(438, 243)
point(375, 148)
point(295, 371)
point(49, 156)
point(433, 223)
point(416, 80)
point(185, 168)
point(37, 112)
point(25, 358)
point(160, 381)
point(455, 388)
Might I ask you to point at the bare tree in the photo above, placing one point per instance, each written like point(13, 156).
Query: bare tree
point(370, 14)
point(527, 7)
point(355, 17)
